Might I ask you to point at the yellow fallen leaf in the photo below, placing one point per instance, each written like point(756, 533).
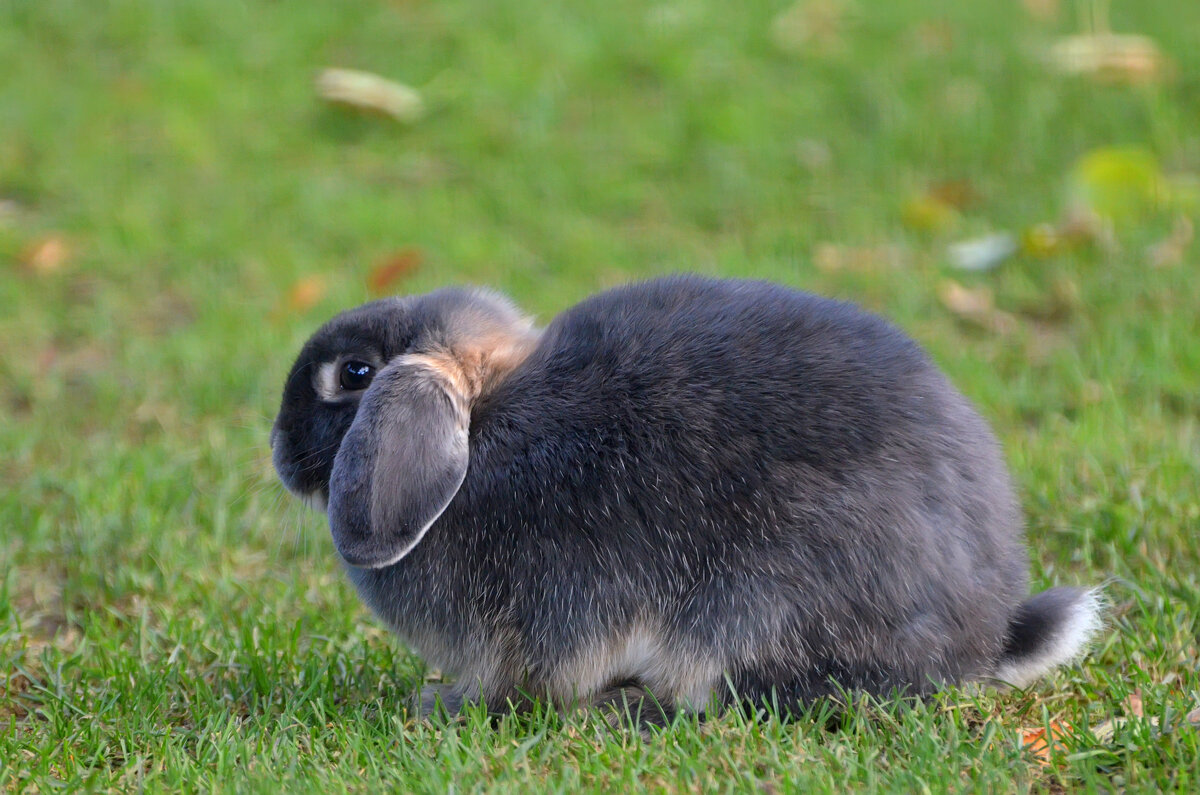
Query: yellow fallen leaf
point(369, 92)
point(1041, 240)
point(1119, 183)
point(1109, 57)
point(928, 213)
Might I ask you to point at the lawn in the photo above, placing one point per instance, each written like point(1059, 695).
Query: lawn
point(179, 211)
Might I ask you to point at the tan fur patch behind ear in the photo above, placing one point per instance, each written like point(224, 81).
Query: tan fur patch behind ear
point(479, 353)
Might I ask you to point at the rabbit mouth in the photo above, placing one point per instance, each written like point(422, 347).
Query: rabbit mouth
point(316, 500)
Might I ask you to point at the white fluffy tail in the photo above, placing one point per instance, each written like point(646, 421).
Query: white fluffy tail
point(1049, 629)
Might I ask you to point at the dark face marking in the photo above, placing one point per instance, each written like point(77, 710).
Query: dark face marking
point(323, 389)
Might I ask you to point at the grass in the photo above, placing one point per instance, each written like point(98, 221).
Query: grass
point(170, 620)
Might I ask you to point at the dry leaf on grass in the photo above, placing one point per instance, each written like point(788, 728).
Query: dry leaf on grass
point(46, 256)
point(1042, 10)
point(1105, 731)
point(965, 301)
point(811, 26)
point(932, 37)
point(982, 253)
point(928, 214)
point(1133, 704)
point(1109, 57)
point(1054, 304)
point(975, 305)
point(1040, 742)
point(831, 257)
point(305, 293)
point(815, 155)
point(958, 193)
point(1171, 249)
point(1193, 718)
point(393, 268)
point(1119, 183)
point(1078, 227)
point(1041, 240)
point(364, 91)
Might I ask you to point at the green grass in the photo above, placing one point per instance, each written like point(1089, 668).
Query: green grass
point(169, 619)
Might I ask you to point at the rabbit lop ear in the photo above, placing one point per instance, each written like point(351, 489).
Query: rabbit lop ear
point(401, 462)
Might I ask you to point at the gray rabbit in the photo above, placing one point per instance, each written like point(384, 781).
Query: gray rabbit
point(689, 490)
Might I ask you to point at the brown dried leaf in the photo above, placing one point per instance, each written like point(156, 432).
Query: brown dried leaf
point(1055, 305)
point(393, 268)
point(1193, 718)
point(1171, 249)
point(1040, 743)
point(975, 305)
point(958, 193)
point(1081, 226)
point(1042, 10)
point(831, 257)
point(1133, 703)
point(305, 293)
point(1134, 711)
point(46, 256)
point(932, 37)
point(965, 301)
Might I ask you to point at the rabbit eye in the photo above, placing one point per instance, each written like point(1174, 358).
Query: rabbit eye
point(356, 376)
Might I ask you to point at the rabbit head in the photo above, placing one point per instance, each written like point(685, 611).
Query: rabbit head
point(375, 413)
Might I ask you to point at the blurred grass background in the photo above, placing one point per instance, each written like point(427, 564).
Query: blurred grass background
point(178, 211)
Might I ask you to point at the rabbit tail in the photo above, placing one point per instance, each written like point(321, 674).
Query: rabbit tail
point(1047, 630)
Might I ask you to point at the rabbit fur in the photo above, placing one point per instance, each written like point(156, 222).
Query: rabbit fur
point(698, 491)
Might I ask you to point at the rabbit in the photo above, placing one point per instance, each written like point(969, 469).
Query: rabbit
point(693, 491)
